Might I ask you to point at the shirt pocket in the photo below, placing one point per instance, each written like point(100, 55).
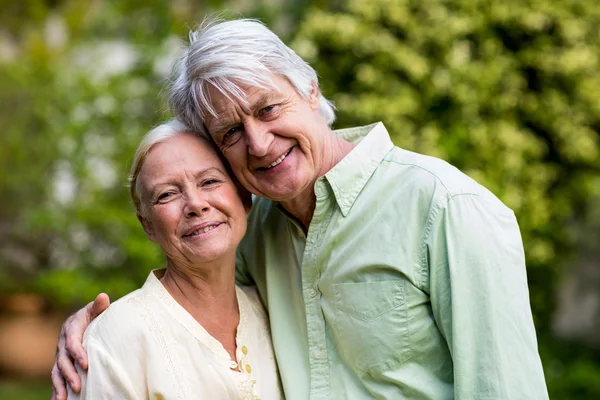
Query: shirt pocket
point(371, 325)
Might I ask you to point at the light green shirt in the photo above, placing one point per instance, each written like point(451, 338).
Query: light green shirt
point(410, 284)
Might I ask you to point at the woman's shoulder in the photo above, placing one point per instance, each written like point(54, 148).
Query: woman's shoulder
point(123, 321)
point(253, 304)
point(251, 295)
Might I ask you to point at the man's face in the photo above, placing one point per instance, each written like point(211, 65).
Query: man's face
point(275, 143)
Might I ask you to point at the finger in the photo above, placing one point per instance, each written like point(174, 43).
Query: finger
point(100, 304)
point(76, 325)
point(67, 371)
point(74, 345)
point(59, 390)
point(73, 331)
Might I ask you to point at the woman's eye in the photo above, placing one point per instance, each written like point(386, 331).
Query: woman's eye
point(209, 182)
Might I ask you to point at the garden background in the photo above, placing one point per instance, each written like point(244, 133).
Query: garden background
point(506, 90)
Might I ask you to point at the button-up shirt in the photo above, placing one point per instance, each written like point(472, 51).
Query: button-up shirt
point(410, 283)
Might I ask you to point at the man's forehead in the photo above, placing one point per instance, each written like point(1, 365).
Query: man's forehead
point(249, 97)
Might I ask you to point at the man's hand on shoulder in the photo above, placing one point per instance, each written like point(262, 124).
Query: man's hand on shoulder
point(70, 347)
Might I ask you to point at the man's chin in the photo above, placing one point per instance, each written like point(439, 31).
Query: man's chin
point(283, 194)
point(281, 190)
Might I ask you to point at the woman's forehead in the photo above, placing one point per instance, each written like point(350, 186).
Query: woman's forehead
point(182, 152)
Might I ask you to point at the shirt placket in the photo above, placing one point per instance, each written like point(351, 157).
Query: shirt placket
point(311, 273)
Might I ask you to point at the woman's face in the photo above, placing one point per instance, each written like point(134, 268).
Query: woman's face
point(191, 205)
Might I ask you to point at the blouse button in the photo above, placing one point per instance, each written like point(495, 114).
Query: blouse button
point(248, 369)
point(244, 350)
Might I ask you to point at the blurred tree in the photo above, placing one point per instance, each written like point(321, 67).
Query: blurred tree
point(81, 83)
point(506, 91)
point(79, 91)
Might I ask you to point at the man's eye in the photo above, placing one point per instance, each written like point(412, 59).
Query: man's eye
point(266, 110)
point(232, 132)
point(164, 196)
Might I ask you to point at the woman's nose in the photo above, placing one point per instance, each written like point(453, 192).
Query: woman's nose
point(196, 204)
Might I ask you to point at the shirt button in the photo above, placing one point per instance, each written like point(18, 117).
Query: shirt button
point(318, 354)
point(312, 293)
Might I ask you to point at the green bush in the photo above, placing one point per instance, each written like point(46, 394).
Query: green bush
point(76, 99)
point(80, 86)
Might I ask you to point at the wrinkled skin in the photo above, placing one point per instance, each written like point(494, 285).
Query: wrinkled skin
point(70, 349)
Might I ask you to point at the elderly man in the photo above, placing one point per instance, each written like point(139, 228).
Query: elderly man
point(387, 274)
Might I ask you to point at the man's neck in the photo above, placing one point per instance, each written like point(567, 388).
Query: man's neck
point(302, 207)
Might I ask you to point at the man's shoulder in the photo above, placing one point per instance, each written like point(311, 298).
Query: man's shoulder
point(434, 180)
point(425, 172)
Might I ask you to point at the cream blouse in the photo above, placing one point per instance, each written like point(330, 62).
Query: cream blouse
point(147, 346)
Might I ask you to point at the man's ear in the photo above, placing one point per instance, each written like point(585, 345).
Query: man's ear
point(147, 225)
point(313, 98)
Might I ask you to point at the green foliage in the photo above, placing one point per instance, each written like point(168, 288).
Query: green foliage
point(82, 87)
point(73, 122)
point(81, 84)
point(506, 91)
point(25, 390)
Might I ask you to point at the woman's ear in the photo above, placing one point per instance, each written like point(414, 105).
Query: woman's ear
point(147, 225)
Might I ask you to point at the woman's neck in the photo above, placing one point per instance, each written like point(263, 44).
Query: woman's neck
point(208, 294)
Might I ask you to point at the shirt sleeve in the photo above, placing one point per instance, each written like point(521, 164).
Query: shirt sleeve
point(480, 300)
point(106, 378)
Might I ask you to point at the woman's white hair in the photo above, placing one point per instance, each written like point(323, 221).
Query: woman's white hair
point(157, 135)
point(229, 55)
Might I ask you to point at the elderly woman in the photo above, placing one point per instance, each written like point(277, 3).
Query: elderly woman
point(189, 332)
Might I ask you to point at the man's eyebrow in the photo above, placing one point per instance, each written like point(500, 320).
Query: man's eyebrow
point(222, 124)
point(260, 103)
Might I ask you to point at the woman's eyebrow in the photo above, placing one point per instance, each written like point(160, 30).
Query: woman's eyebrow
point(173, 182)
point(209, 170)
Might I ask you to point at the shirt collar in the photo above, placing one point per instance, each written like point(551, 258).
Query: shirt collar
point(349, 176)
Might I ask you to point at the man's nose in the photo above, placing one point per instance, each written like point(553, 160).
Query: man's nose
point(195, 203)
point(258, 137)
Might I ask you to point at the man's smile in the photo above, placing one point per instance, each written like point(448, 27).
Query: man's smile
point(278, 161)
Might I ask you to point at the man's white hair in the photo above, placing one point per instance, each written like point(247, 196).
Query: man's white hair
point(229, 55)
point(157, 135)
